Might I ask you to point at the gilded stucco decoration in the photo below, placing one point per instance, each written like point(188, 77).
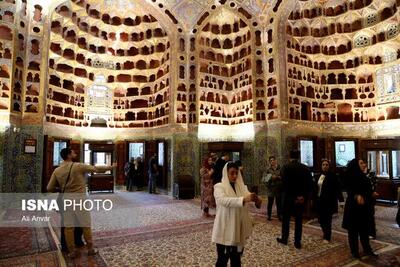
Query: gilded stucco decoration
point(179, 64)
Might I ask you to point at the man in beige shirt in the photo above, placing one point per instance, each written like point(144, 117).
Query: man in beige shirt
point(75, 184)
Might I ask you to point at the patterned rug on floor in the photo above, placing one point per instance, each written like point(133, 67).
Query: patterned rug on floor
point(156, 230)
point(27, 247)
point(48, 259)
point(173, 233)
point(190, 245)
point(387, 230)
point(25, 241)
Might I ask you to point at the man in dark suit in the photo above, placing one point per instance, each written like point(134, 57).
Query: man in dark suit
point(296, 187)
point(218, 167)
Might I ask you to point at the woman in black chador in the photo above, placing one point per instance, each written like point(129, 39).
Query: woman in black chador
point(328, 194)
point(358, 216)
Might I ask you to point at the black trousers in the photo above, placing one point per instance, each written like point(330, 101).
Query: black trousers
point(353, 235)
point(278, 201)
point(228, 252)
point(325, 220)
point(152, 183)
point(297, 212)
point(372, 231)
point(129, 186)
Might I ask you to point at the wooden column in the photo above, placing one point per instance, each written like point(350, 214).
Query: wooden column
point(164, 168)
point(48, 152)
point(122, 158)
point(320, 150)
point(150, 148)
point(76, 146)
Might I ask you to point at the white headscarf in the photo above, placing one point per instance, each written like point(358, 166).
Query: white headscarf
point(240, 187)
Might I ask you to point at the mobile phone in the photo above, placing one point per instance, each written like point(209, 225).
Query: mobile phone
point(254, 189)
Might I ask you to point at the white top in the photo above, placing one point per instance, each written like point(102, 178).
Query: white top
point(232, 225)
point(320, 182)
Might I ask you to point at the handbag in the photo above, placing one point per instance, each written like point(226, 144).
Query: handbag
point(60, 196)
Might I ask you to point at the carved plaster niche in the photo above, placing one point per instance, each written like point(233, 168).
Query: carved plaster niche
point(189, 11)
point(170, 4)
point(388, 84)
point(259, 7)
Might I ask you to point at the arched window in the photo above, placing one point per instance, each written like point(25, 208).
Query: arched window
point(362, 40)
point(392, 31)
point(389, 55)
point(371, 19)
point(388, 83)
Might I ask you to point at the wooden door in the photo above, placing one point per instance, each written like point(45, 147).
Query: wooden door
point(76, 146)
point(330, 151)
point(121, 153)
point(150, 148)
point(163, 179)
point(320, 153)
point(48, 152)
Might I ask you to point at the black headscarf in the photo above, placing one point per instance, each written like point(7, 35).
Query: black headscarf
point(353, 168)
point(353, 172)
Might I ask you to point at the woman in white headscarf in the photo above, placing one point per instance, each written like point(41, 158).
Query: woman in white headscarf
point(232, 225)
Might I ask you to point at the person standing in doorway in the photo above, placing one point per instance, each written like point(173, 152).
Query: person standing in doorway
point(328, 195)
point(153, 174)
point(138, 177)
point(273, 183)
point(219, 166)
point(357, 210)
point(69, 177)
point(296, 188)
point(129, 173)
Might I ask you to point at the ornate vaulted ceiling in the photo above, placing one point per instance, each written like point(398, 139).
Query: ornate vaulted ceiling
point(152, 63)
